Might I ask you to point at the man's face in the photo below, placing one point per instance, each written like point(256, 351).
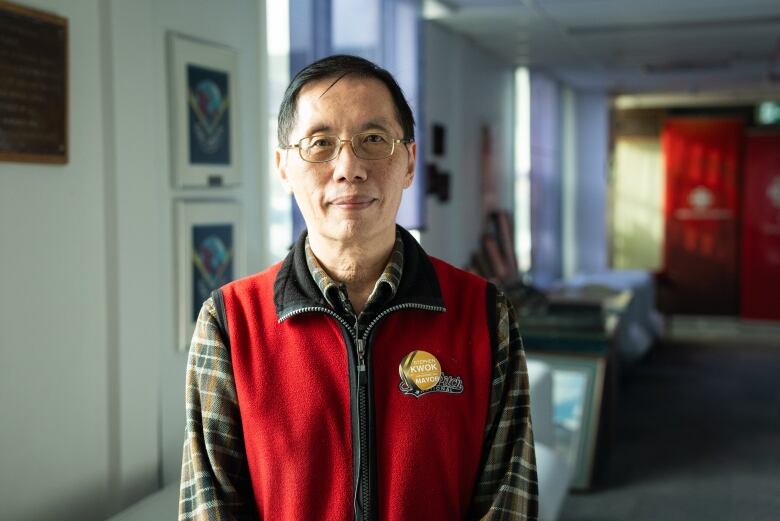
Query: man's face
point(348, 200)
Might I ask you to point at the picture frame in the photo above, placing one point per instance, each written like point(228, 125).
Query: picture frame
point(210, 252)
point(204, 112)
point(578, 388)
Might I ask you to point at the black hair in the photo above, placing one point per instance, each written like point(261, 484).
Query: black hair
point(337, 67)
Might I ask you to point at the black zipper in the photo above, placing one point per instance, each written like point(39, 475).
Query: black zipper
point(368, 494)
point(311, 309)
point(363, 485)
point(358, 353)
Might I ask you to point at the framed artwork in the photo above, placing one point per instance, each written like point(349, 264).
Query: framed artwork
point(578, 386)
point(204, 113)
point(210, 253)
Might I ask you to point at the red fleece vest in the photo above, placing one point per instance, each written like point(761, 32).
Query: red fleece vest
point(293, 393)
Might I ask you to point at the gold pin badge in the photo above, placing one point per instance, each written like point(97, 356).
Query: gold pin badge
point(420, 371)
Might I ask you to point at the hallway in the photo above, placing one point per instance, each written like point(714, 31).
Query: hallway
point(697, 438)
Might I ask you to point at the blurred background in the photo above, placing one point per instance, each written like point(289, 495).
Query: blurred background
point(613, 165)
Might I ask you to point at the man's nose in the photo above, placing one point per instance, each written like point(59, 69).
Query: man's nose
point(347, 166)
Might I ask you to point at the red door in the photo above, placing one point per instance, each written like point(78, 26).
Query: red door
point(760, 265)
point(702, 185)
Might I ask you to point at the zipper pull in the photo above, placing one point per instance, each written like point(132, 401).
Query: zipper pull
point(361, 352)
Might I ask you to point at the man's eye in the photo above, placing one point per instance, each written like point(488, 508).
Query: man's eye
point(374, 138)
point(320, 142)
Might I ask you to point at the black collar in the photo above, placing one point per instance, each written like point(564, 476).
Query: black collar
point(295, 289)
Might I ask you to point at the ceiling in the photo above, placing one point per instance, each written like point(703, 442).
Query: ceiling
point(630, 46)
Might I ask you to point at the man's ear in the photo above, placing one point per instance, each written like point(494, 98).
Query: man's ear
point(280, 160)
point(409, 174)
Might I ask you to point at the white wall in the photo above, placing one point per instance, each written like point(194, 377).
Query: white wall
point(54, 431)
point(465, 87)
point(93, 414)
point(234, 24)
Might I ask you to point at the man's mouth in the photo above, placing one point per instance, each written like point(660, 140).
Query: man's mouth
point(353, 202)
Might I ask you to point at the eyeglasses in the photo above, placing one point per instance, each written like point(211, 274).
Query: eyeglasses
point(366, 145)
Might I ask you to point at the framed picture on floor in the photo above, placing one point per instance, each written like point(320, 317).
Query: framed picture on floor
point(203, 113)
point(210, 253)
point(578, 386)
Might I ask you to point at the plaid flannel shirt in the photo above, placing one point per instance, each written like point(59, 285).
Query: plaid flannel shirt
point(215, 482)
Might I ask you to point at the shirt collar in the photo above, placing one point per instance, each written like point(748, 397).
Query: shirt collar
point(295, 290)
point(386, 285)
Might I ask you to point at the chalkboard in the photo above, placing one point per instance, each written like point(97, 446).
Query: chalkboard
point(33, 85)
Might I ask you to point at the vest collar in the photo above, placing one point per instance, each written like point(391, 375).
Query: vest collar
point(295, 289)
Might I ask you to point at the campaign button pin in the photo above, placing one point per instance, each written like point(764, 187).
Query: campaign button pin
point(420, 371)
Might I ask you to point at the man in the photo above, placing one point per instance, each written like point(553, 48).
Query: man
point(359, 378)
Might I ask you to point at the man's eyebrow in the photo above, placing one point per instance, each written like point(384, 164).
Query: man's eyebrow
point(317, 129)
point(380, 123)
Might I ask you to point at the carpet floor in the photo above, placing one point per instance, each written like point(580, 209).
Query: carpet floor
point(697, 437)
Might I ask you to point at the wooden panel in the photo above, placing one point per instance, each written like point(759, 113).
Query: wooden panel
point(33, 85)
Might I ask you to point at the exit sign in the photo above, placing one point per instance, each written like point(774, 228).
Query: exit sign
point(768, 113)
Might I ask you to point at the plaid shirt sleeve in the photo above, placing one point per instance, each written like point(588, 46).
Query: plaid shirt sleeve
point(507, 487)
point(215, 483)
